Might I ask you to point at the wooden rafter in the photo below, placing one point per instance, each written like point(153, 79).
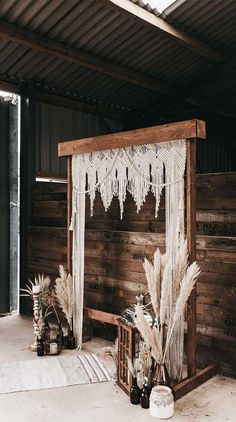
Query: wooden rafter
point(61, 51)
point(146, 18)
point(189, 129)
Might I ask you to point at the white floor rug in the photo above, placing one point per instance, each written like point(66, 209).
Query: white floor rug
point(51, 372)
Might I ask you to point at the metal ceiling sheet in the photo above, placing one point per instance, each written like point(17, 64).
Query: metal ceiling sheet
point(94, 27)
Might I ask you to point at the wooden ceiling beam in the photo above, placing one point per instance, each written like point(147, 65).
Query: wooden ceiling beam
point(148, 19)
point(61, 51)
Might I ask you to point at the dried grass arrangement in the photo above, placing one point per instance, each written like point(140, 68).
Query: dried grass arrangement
point(48, 297)
point(64, 293)
point(111, 352)
point(41, 281)
point(169, 287)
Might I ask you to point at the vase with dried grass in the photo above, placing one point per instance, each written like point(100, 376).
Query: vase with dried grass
point(169, 286)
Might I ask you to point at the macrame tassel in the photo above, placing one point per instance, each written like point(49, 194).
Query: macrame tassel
point(174, 238)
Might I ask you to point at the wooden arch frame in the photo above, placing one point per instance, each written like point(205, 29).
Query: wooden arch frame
point(191, 130)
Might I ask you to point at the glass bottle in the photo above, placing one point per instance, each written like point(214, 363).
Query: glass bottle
point(144, 398)
point(46, 329)
point(134, 392)
point(60, 334)
point(71, 340)
point(161, 376)
point(40, 348)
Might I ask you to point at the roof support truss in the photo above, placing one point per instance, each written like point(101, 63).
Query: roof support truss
point(61, 51)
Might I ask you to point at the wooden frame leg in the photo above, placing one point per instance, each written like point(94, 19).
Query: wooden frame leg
point(69, 209)
point(191, 240)
point(197, 379)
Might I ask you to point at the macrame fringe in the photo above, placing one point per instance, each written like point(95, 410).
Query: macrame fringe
point(136, 169)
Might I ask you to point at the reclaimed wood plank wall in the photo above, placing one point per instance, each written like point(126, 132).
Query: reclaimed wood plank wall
point(115, 250)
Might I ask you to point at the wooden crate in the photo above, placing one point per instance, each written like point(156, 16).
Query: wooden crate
point(128, 344)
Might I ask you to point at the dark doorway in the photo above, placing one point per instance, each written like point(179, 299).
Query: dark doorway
point(4, 207)
point(9, 218)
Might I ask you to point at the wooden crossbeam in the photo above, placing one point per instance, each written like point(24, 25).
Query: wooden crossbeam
point(193, 382)
point(141, 15)
point(61, 51)
point(188, 129)
point(101, 316)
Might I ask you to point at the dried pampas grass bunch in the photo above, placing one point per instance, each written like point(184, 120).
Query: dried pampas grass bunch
point(64, 292)
point(170, 287)
point(43, 281)
point(111, 352)
point(133, 366)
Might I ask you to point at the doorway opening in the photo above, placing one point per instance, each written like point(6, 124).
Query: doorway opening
point(9, 202)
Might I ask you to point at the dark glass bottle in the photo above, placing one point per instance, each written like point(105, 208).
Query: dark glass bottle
point(135, 392)
point(60, 334)
point(71, 340)
point(40, 348)
point(46, 328)
point(144, 398)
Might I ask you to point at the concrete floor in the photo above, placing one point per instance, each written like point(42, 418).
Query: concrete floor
point(214, 401)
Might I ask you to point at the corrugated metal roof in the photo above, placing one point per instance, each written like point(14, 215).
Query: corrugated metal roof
point(94, 27)
point(156, 7)
point(214, 22)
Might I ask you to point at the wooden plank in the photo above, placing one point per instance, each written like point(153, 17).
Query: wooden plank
point(101, 316)
point(70, 54)
point(69, 210)
point(148, 19)
point(193, 382)
point(191, 240)
point(187, 129)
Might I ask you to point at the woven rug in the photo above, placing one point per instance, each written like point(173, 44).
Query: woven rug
point(51, 372)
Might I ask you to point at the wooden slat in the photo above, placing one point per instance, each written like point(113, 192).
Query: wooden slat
point(188, 129)
point(101, 316)
point(197, 379)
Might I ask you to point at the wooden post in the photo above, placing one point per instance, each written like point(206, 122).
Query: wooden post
point(69, 210)
point(191, 240)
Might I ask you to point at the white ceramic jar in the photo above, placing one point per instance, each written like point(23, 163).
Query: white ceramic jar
point(161, 402)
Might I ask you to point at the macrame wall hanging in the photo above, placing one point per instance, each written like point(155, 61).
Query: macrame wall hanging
point(135, 169)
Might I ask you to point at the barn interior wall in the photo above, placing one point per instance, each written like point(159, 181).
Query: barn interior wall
point(55, 123)
point(115, 249)
point(216, 154)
